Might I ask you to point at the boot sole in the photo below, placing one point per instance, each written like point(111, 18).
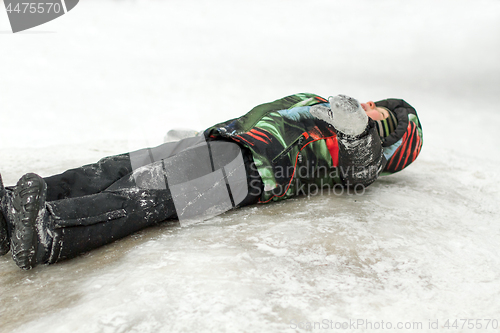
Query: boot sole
point(29, 198)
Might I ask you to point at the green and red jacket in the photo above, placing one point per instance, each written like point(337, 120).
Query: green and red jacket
point(292, 148)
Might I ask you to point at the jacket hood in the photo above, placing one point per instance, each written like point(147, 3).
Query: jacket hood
point(404, 144)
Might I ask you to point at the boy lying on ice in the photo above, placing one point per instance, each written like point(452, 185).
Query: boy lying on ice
point(277, 150)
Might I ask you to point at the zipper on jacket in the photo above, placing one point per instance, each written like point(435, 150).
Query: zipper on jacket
point(290, 146)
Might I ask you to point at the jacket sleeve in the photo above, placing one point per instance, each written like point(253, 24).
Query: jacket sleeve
point(246, 122)
point(361, 159)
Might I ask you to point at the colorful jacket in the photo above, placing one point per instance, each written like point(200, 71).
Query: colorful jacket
point(292, 149)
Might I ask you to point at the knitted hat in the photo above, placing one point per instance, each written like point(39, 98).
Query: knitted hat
point(386, 126)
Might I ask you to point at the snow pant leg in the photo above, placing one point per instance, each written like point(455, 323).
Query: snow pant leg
point(361, 157)
point(85, 223)
point(88, 179)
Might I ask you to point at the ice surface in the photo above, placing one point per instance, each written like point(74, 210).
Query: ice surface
point(115, 76)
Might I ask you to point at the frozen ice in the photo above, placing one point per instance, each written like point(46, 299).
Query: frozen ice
point(115, 76)
point(348, 116)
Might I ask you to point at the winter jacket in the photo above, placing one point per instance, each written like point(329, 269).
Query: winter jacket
point(284, 137)
point(293, 150)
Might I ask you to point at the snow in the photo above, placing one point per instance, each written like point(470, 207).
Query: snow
point(114, 76)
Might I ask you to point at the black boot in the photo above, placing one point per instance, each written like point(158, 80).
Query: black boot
point(30, 239)
point(4, 228)
point(4, 236)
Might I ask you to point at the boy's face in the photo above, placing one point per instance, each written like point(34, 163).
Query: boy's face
point(373, 111)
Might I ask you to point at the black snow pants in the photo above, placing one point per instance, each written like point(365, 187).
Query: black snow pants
point(94, 205)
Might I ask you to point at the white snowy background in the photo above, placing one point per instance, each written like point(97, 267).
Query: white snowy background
point(114, 76)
